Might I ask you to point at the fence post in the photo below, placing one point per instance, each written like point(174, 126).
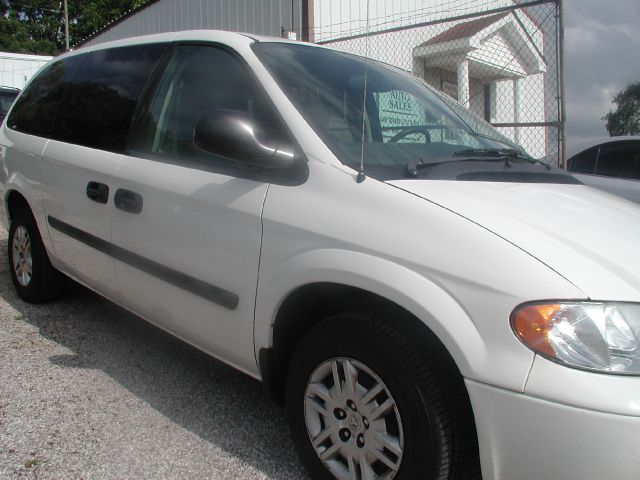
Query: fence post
point(563, 117)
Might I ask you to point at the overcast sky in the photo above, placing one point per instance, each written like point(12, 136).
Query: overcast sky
point(602, 55)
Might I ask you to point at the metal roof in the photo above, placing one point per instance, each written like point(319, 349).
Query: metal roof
point(115, 22)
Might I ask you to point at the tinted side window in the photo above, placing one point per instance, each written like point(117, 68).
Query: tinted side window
point(198, 79)
point(97, 110)
point(6, 99)
point(36, 109)
point(620, 159)
point(584, 162)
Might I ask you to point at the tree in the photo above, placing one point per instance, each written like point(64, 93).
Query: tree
point(30, 26)
point(88, 16)
point(626, 119)
point(37, 26)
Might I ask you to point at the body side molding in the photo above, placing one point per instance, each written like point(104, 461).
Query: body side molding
point(193, 285)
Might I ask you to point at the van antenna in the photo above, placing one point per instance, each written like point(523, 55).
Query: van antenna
point(361, 176)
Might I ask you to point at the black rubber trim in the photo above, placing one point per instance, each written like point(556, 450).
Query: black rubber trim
point(181, 280)
point(518, 177)
point(80, 235)
point(272, 383)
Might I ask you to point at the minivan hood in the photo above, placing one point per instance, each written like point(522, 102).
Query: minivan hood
point(589, 237)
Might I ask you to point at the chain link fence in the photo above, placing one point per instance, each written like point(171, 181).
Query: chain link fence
point(499, 58)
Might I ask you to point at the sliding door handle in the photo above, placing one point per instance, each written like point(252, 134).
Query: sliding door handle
point(98, 192)
point(128, 201)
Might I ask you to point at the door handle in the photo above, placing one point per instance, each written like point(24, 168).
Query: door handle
point(128, 201)
point(98, 192)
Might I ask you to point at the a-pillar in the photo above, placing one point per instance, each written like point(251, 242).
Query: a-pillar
point(463, 82)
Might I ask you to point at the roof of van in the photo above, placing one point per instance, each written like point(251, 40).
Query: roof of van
point(186, 35)
point(232, 39)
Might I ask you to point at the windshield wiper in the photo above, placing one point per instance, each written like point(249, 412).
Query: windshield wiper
point(491, 152)
point(414, 165)
point(505, 154)
point(475, 155)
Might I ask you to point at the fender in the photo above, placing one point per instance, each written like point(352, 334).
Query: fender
point(23, 172)
point(419, 295)
point(458, 278)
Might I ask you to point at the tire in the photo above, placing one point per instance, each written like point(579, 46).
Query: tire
point(33, 276)
point(427, 429)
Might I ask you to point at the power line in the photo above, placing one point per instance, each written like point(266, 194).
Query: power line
point(10, 4)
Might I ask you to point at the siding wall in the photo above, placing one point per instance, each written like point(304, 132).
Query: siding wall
point(16, 69)
point(339, 18)
point(262, 17)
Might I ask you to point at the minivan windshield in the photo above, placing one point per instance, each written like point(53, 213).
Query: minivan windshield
point(404, 119)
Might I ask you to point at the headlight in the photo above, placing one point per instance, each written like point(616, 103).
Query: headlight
point(604, 337)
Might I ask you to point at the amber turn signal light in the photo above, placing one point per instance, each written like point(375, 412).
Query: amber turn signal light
point(532, 324)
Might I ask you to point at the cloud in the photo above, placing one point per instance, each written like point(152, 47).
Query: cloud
point(601, 47)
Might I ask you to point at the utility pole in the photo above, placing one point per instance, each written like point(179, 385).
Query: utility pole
point(66, 26)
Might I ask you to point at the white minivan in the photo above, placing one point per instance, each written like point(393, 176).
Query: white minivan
point(427, 300)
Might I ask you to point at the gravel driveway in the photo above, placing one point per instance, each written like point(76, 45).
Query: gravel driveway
point(89, 391)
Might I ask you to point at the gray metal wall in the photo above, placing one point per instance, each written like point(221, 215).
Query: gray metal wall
point(262, 17)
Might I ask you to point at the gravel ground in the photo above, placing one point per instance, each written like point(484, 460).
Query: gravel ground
point(89, 391)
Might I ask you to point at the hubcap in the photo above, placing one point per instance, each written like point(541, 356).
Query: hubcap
point(21, 254)
point(353, 421)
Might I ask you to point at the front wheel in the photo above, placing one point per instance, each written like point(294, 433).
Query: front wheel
point(33, 276)
point(364, 403)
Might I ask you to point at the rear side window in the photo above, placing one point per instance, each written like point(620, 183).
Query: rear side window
point(619, 159)
point(35, 111)
point(6, 99)
point(97, 108)
point(584, 162)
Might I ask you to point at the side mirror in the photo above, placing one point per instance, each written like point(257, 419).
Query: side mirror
point(233, 134)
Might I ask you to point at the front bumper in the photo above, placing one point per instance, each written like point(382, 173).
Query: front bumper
point(526, 437)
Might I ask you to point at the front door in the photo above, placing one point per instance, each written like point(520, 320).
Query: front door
point(187, 232)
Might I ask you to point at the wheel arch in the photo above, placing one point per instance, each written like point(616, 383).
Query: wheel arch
point(313, 285)
point(13, 201)
point(309, 304)
point(19, 193)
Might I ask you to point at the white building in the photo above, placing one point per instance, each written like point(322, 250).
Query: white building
point(17, 68)
point(494, 64)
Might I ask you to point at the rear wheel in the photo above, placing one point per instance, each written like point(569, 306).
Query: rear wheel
point(365, 403)
point(33, 276)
